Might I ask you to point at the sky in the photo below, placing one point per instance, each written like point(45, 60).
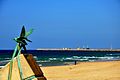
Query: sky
point(61, 23)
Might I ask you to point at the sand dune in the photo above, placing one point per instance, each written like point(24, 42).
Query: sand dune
point(84, 71)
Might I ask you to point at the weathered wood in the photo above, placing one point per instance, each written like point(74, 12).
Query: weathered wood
point(36, 69)
point(29, 68)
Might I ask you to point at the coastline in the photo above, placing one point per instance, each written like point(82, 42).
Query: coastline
point(108, 70)
point(53, 64)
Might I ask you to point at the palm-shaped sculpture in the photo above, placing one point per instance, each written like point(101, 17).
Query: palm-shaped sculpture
point(21, 43)
point(23, 38)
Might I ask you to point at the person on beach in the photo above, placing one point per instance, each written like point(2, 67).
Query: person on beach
point(75, 62)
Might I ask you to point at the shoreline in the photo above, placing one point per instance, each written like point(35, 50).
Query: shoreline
point(108, 70)
point(53, 64)
point(73, 63)
point(82, 63)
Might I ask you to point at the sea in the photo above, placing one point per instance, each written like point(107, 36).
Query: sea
point(62, 57)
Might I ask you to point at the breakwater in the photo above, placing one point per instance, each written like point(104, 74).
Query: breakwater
point(79, 49)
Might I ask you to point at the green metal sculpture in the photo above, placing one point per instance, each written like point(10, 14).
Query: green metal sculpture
point(21, 43)
point(23, 38)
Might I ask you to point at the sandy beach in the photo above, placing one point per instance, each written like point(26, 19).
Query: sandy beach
point(84, 71)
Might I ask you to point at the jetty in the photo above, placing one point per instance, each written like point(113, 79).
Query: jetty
point(79, 49)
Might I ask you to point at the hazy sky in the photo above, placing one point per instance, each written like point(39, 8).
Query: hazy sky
point(61, 23)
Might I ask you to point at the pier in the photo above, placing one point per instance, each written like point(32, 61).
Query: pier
point(79, 49)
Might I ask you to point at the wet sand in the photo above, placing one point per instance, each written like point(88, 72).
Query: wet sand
point(84, 71)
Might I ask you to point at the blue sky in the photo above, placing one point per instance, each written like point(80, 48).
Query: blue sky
point(61, 23)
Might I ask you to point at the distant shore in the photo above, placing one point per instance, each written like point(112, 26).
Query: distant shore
point(80, 49)
point(109, 70)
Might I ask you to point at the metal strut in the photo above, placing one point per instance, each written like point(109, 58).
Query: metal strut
point(18, 61)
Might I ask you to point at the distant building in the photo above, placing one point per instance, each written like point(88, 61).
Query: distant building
point(78, 48)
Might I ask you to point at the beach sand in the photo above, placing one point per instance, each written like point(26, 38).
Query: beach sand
point(84, 71)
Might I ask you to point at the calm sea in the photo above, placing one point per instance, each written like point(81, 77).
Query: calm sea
point(53, 58)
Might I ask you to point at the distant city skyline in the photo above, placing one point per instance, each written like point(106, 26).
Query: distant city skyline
point(61, 23)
